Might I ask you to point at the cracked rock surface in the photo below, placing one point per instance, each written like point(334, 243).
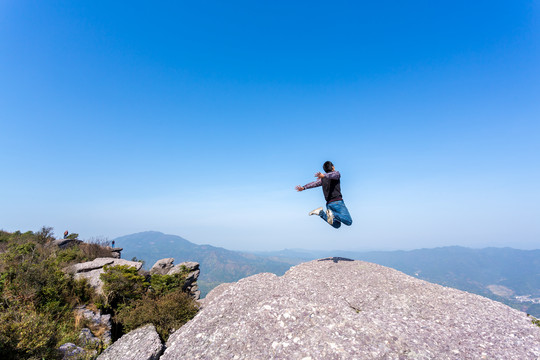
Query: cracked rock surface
point(351, 310)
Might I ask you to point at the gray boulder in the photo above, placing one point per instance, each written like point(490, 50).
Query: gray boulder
point(339, 309)
point(190, 266)
point(69, 351)
point(88, 340)
point(99, 323)
point(116, 252)
point(140, 344)
point(162, 266)
point(166, 267)
point(65, 243)
point(99, 263)
point(89, 265)
point(190, 285)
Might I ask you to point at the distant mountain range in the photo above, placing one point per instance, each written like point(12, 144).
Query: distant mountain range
point(507, 275)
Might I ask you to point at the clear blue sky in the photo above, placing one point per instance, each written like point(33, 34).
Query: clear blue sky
point(199, 118)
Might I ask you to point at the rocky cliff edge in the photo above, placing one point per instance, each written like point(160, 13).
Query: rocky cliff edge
point(340, 309)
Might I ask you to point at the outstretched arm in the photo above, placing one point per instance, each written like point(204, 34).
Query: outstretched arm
point(334, 175)
point(310, 185)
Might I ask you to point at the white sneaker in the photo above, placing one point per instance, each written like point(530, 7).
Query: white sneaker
point(330, 216)
point(316, 211)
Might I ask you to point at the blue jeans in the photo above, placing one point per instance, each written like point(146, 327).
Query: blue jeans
point(341, 213)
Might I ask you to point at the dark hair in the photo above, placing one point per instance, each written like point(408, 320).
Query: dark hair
point(327, 167)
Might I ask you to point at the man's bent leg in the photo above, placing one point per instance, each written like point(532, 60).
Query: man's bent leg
point(341, 213)
point(336, 224)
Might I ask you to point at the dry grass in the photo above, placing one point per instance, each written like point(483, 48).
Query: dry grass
point(81, 321)
point(93, 250)
point(98, 331)
point(92, 307)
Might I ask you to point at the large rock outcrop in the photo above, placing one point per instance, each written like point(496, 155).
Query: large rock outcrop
point(166, 267)
point(162, 266)
point(339, 309)
point(91, 270)
point(140, 344)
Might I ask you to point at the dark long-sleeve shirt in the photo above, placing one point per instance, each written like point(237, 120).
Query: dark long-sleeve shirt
point(331, 186)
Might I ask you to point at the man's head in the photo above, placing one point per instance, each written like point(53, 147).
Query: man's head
point(328, 166)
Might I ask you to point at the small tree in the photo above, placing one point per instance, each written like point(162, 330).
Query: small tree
point(121, 284)
point(167, 312)
point(73, 236)
point(45, 235)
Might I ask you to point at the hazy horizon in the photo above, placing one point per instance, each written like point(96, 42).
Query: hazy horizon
point(199, 119)
point(322, 250)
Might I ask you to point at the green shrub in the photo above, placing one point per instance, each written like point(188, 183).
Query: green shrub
point(121, 284)
point(70, 255)
point(26, 333)
point(163, 284)
point(73, 236)
point(45, 235)
point(136, 300)
point(168, 312)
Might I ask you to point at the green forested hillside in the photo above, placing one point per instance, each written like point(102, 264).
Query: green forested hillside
point(218, 265)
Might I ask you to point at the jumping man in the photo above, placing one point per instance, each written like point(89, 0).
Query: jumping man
point(336, 212)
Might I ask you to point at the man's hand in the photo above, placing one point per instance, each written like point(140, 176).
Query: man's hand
point(319, 175)
point(299, 188)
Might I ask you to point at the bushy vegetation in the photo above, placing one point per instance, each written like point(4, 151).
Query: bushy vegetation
point(136, 300)
point(168, 312)
point(121, 285)
point(36, 297)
